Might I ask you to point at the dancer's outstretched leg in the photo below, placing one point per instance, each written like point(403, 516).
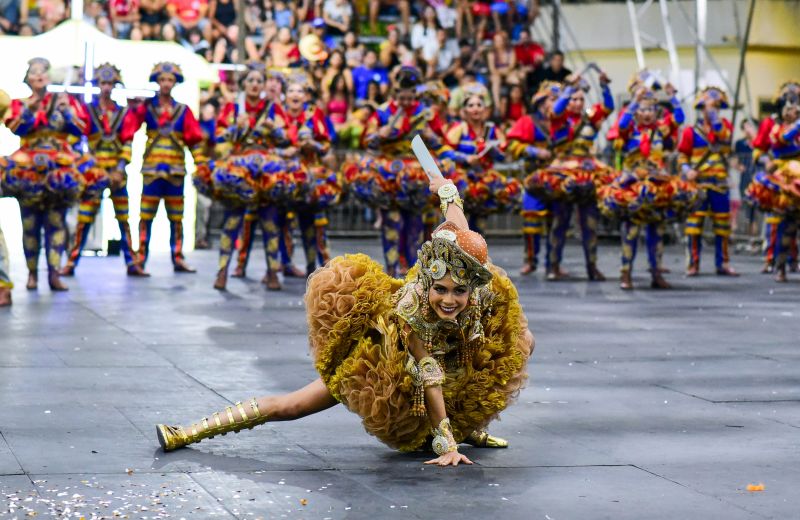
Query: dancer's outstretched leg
point(310, 399)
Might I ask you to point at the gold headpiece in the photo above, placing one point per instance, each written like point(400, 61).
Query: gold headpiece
point(476, 89)
point(461, 252)
point(789, 92)
point(435, 90)
point(713, 95)
point(106, 72)
point(166, 67)
point(546, 89)
point(44, 62)
point(643, 78)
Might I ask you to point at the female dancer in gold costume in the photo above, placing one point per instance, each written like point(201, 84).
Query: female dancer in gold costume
point(439, 355)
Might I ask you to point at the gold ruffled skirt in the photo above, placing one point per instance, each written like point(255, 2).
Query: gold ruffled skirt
point(356, 349)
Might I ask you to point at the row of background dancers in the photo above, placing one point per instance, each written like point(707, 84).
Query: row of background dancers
point(269, 159)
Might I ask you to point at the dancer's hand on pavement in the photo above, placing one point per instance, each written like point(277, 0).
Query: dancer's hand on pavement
point(452, 458)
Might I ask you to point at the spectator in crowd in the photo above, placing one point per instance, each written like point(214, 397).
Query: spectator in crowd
point(283, 15)
point(9, 16)
point(169, 33)
point(512, 106)
point(338, 15)
point(123, 15)
point(446, 57)
point(199, 45)
point(369, 71)
point(530, 57)
point(555, 71)
point(187, 14)
point(388, 48)
point(403, 6)
point(44, 13)
point(423, 34)
point(337, 101)
point(353, 50)
point(336, 67)
point(502, 61)
point(95, 15)
point(283, 50)
point(153, 16)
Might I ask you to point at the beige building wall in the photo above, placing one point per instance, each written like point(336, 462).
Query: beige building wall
point(603, 34)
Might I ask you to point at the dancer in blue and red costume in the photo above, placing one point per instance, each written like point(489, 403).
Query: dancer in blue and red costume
point(644, 195)
point(391, 179)
point(571, 178)
point(474, 144)
point(245, 171)
point(762, 186)
point(274, 89)
point(529, 139)
point(106, 118)
point(702, 156)
point(171, 127)
point(43, 175)
point(778, 190)
point(305, 138)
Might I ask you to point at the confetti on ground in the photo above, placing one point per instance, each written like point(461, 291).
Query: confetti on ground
point(755, 487)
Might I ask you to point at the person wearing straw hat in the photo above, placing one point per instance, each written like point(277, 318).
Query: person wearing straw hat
point(106, 118)
point(171, 127)
point(44, 175)
point(702, 155)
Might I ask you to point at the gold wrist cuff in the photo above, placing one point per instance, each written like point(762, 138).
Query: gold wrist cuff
point(448, 194)
point(443, 440)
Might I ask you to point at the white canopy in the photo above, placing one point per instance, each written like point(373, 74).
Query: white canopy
point(64, 46)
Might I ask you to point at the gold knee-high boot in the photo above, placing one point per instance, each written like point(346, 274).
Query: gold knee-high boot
point(174, 437)
point(482, 439)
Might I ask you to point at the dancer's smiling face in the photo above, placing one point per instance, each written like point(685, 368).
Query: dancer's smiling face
point(447, 298)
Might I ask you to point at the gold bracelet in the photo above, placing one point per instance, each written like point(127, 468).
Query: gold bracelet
point(443, 440)
point(448, 194)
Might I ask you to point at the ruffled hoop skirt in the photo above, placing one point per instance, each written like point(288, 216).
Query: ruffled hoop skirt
point(571, 179)
point(487, 192)
point(644, 198)
point(779, 191)
point(390, 183)
point(45, 173)
point(356, 349)
point(316, 186)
